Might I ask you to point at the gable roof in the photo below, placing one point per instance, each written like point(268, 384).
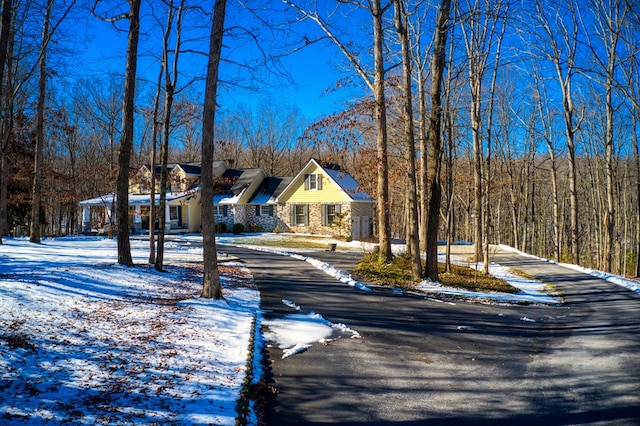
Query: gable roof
point(235, 184)
point(190, 168)
point(270, 190)
point(339, 176)
point(349, 185)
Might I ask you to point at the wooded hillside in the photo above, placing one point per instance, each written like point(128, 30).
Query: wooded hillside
point(537, 112)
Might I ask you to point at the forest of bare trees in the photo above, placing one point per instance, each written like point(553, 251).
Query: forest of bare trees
point(488, 121)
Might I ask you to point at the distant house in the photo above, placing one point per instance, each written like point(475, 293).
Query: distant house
point(182, 208)
point(325, 199)
point(322, 198)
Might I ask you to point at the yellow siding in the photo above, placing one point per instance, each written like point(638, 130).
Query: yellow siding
point(194, 213)
point(330, 192)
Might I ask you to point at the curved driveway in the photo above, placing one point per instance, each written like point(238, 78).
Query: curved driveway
point(422, 361)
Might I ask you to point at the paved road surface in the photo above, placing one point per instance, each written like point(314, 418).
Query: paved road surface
point(426, 362)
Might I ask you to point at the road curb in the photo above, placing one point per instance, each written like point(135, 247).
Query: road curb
point(244, 401)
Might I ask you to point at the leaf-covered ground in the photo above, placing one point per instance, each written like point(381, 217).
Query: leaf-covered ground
point(86, 341)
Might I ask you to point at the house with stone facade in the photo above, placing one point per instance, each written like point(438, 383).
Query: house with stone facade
point(324, 199)
point(321, 198)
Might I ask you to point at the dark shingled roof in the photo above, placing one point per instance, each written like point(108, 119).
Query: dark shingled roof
point(270, 189)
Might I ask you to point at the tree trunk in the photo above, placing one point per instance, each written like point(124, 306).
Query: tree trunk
point(126, 143)
point(384, 207)
point(5, 26)
point(573, 185)
point(152, 190)
point(36, 191)
point(424, 148)
point(610, 204)
point(413, 243)
point(435, 138)
point(477, 169)
point(169, 92)
point(211, 281)
point(450, 204)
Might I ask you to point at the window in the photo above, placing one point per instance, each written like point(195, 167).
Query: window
point(220, 211)
point(312, 182)
point(330, 213)
point(173, 212)
point(299, 215)
point(264, 210)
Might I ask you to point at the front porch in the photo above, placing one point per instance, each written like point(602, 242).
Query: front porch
point(98, 214)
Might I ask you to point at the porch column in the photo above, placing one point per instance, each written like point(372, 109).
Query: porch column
point(86, 219)
point(111, 219)
point(137, 220)
point(188, 221)
point(167, 218)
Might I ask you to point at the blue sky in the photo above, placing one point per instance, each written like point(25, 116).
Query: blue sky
point(311, 70)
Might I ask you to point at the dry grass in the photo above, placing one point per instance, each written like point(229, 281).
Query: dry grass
point(398, 274)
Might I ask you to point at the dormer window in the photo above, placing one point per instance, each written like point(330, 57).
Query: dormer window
point(312, 182)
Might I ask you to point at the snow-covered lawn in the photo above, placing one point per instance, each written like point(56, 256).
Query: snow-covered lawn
point(86, 341)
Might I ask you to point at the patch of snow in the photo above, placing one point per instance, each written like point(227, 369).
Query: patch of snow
point(612, 278)
point(84, 340)
point(297, 328)
point(296, 333)
point(290, 304)
point(531, 291)
point(297, 349)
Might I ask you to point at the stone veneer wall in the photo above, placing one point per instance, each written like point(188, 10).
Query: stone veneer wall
point(315, 221)
point(259, 223)
point(281, 218)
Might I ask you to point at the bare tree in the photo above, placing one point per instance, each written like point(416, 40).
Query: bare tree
point(610, 17)
point(36, 191)
point(413, 243)
point(478, 29)
point(171, 78)
point(5, 26)
point(211, 281)
point(558, 44)
point(435, 138)
point(492, 94)
point(126, 141)
point(152, 186)
point(546, 131)
point(377, 10)
point(631, 90)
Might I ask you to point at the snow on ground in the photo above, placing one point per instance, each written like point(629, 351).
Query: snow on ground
point(531, 291)
point(86, 341)
point(295, 333)
point(630, 284)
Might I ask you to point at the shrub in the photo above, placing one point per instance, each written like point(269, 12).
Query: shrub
point(221, 228)
point(238, 228)
point(254, 227)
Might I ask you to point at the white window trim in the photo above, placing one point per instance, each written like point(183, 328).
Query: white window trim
point(313, 182)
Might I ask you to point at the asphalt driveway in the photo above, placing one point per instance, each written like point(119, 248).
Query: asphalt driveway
point(422, 361)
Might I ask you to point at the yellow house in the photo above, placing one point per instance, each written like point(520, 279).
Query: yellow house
point(325, 199)
point(321, 199)
point(182, 209)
